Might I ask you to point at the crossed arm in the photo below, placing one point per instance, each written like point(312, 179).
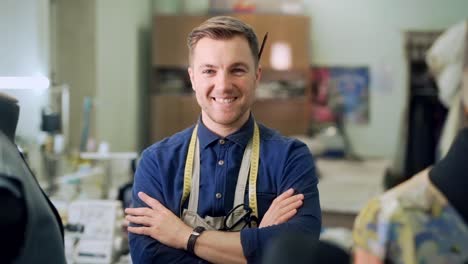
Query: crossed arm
point(161, 224)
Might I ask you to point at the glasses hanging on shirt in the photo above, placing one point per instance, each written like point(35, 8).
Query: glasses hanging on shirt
point(239, 215)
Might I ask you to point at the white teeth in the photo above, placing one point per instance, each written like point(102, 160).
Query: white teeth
point(224, 100)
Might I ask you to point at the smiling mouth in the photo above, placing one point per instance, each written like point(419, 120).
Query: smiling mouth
point(224, 100)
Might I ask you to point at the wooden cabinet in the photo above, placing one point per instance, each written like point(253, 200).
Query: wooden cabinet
point(170, 37)
point(290, 30)
point(287, 115)
point(172, 112)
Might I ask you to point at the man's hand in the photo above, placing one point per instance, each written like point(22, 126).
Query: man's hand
point(158, 222)
point(283, 208)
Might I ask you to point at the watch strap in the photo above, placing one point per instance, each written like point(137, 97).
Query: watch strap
point(193, 238)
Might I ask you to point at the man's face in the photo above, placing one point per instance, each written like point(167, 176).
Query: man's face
point(224, 78)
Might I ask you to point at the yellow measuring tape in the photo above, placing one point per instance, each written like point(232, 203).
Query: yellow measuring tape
point(254, 161)
point(254, 171)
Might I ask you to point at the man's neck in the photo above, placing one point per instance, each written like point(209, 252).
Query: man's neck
point(225, 130)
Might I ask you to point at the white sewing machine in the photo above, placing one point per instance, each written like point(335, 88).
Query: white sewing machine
point(94, 231)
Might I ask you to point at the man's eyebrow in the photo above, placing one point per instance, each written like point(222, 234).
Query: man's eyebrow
point(239, 64)
point(206, 66)
point(234, 65)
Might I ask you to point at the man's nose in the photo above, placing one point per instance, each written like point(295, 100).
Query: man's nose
point(223, 81)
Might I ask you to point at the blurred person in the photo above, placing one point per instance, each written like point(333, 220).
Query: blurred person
point(31, 227)
point(240, 181)
point(422, 220)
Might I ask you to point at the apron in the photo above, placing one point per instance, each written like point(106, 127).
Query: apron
point(192, 187)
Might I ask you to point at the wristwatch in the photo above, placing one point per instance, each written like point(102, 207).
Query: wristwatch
point(196, 232)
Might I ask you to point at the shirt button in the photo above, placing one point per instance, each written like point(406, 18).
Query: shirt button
point(218, 195)
point(221, 141)
point(221, 162)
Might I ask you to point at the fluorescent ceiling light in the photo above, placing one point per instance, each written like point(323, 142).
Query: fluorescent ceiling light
point(24, 82)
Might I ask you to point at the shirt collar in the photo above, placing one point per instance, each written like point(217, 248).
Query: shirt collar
point(205, 136)
point(240, 137)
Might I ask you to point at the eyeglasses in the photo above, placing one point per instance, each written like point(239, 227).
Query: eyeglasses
point(237, 216)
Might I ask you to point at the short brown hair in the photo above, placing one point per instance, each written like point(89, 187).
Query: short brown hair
point(223, 27)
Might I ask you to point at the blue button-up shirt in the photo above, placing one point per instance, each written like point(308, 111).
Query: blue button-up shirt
point(284, 163)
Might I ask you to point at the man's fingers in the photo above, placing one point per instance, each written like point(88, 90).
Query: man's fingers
point(141, 220)
point(151, 202)
point(140, 211)
point(292, 199)
point(284, 213)
point(285, 217)
point(285, 195)
point(283, 208)
point(140, 230)
point(290, 207)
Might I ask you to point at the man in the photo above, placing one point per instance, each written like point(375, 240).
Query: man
point(30, 225)
point(227, 172)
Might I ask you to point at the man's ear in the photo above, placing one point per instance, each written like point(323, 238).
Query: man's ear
point(190, 72)
point(258, 74)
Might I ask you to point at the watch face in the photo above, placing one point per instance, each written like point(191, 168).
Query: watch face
point(199, 229)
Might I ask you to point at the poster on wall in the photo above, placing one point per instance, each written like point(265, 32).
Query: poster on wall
point(340, 93)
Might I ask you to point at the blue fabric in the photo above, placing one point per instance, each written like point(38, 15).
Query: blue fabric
point(284, 163)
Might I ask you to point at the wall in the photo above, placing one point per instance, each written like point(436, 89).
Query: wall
point(103, 53)
point(24, 52)
point(123, 59)
point(370, 33)
point(74, 62)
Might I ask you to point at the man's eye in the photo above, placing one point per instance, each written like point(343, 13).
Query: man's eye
point(238, 71)
point(208, 71)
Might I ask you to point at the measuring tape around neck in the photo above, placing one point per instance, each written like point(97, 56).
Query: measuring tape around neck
point(253, 172)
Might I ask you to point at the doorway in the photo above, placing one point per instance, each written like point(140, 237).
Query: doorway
point(426, 114)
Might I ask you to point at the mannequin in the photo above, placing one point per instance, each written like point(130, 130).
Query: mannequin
point(31, 228)
point(9, 113)
point(450, 175)
point(12, 220)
